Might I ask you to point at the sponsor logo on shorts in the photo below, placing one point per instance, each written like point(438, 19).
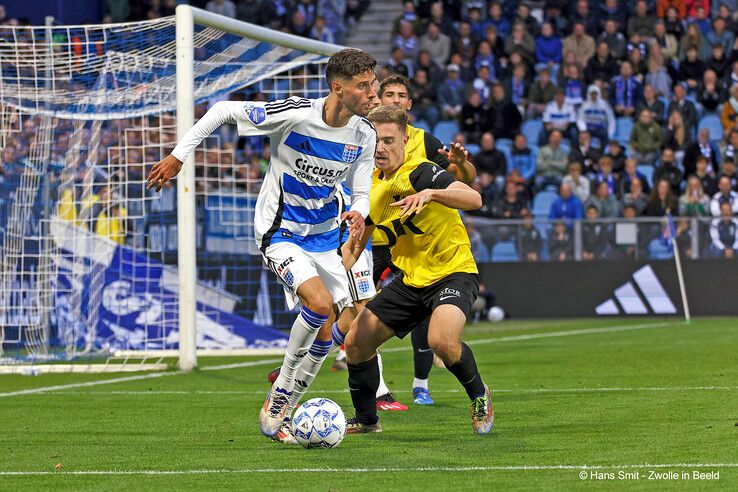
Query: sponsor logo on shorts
point(448, 293)
point(363, 286)
point(363, 273)
point(285, 272)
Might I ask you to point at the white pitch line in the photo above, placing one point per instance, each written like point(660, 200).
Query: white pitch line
point(553, 334)
point(494, 390)
point(372, 470)
point(154, 375)
point(532, 336)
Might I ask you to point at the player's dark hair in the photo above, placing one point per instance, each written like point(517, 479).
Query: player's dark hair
point(389, 114)
point(348, 63)
point(394, 79)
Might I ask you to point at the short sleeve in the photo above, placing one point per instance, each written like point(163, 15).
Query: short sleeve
point(428, 175)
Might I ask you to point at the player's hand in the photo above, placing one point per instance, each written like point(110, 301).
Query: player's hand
point(456, 154)
point(356, 224)
point(413, 204)
point(163, 171)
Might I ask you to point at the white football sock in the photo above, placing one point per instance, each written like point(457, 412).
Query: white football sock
point(382, 389)
point(420, 383)
point(308, 370)
point(302, 335)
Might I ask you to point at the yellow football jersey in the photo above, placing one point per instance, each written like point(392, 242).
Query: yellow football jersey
point(426, 247)
point(420, 144)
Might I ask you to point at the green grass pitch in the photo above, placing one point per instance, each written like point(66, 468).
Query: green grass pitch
point(651, 397)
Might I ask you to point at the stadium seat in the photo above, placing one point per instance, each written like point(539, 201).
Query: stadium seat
point(657, 250)
point(445, 131)
point(423, 125)
point(712, 123)
point(542, 203)
point(473, 149)
point(647, 171)
point(532, 129)
point(504, 143)
point(504, 251)
point(623, 129)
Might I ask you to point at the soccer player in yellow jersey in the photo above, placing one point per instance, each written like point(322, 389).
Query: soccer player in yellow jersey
point(415, 204)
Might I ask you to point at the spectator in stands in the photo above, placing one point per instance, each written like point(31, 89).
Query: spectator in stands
point(709, 92)
point(530, 243)
point(586, 153)
point(602, 67)
point(398, 64)
point(694, 202)
point(650, 102)
point(724, 233)
point(548, 49)
point(567, 206)
point(559, 115)
point(523, 160)
point(485, 57)
point(662, 200)
point(423, 95)
point(730, 148)
point(658, 75)
point(668, 171)
point(408, 15)
point(625, 91)
point(522, 42)
point(560, 243)
point(498, 20)
point(503, 118)
point(667, 42)
point(719, 35)
point(707, 179)
point(577, 183)
point(605, 202)
point(637, 53)
point(692, 69)
point(673, 23)
point(702, 146)
point(596, 236)
point(434, 71)
point(675, 135)
point(320, 31)
point(730, 110)
point(407, 40)
point(596, 116)
point(222, 7)
point(551, 162)
point(464, 42)
point(615, 152)
point(436, 43)
point(606, 175)
point(686, 108)
point(490, 162)
point(512, 205)
point(297, 24)
point(630, 173)
point(693, 38)
point(729, 171)
point(719, 64)
point(641, 23)
point(635, 197)
point(541, 93)
point(724, 195)
point(583, 15)
point(573, 85)
point(517, 88)
point(615, 42)
point(645, 139)
point(580, 43)
point(451, 93)
point(472, 117)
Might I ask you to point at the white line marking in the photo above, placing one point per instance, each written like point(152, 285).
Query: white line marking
point(371, 470)
point(154, 375)
point(553, 334)
point(494, 390)
point(531, 336)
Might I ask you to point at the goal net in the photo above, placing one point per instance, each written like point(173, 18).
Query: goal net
point(88, 257)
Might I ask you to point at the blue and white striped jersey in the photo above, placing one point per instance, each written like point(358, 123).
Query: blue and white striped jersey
point(297, 202)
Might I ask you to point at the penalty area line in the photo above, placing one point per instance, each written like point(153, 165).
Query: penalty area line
point(244, 471)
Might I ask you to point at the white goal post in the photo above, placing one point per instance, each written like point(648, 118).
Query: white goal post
point(186, 18)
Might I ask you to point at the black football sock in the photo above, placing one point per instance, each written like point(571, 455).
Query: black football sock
point(466, 372)
point(363, 380)
point(422, 354)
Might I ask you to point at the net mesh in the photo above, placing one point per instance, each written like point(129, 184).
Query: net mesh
point(88, 255)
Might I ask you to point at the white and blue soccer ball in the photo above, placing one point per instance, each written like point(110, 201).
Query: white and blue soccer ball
point(319, 423)
point(495, 314)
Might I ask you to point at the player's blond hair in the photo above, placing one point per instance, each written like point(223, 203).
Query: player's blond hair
point(389, 114)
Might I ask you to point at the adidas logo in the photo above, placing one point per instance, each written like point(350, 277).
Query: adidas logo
point(305, 146)
point(629, 297)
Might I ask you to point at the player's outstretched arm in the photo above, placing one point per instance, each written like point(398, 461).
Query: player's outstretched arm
point(352, 249)
point(163, 171)
point(457, 195)
point(459, 165)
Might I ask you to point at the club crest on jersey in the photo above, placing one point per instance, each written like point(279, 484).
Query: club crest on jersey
point(350, 153)
point(256, 114)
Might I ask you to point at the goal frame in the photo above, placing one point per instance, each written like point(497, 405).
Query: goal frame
point(185, 19)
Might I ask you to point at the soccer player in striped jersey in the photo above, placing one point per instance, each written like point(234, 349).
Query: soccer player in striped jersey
point(416, 203)
point(316, 145)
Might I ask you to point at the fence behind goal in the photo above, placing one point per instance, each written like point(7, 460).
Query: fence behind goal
point(88, 256)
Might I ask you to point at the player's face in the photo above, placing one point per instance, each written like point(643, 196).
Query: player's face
point(358, 93)
point(390, 147)
point(396, 95)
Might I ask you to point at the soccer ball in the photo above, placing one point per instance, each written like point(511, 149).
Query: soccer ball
point(495, 314)
point(319, 423)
